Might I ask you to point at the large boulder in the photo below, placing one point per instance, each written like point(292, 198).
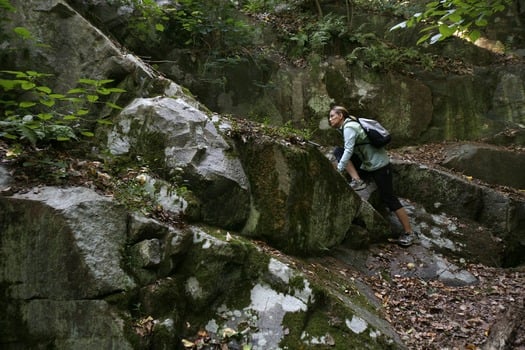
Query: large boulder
point(78, 272)
point(299, 203)
point(489, 163)
point(171, 136)
point(501, 236)
point(60, 256)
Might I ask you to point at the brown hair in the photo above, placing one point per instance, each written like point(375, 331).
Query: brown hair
point(341, 110)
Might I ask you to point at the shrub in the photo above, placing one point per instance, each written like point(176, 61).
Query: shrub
point(30, 111)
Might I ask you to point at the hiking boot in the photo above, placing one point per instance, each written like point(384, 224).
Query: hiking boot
point(406, 239)
point(357, 185)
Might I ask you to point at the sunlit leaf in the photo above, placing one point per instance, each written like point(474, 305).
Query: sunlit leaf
point(103, 91)
point(44, 89)
point(455, 17)
point(45, 116)
point(27, 104)
point(47, 102)
point(87, 81)
point(27, 85)
point(446, 30)
point(23, 33)
point(105, 81)
point(82, 112)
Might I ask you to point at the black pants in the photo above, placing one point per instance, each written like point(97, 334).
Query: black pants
point(382, 177)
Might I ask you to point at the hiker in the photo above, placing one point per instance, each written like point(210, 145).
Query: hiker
point(374, 161)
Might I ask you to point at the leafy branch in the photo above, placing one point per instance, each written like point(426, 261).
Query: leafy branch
point(31, 111)
point(445, 18)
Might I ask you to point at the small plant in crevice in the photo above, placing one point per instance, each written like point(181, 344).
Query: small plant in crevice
point(131, 193)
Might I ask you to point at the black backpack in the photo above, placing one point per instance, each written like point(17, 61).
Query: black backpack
point(377, 134)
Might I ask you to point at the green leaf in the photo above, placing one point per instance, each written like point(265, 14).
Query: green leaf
point(105, 81)
point(27, 85)
point(159, 27)
point(481, 22)
point(62, 138)
point(17, 74)
point(103, 91)
point(82, 112)
point(44, 89)
point(423, 38)
point(88, 81)
point(26, 104)
point(92, 98)
point(6, 5)
point(9, 136)
point(47, 102)
point(70, 117)
point(455, 17)
point(112, 105)
point(45, 116)
point(111, 90)
point(23, 33)
point(87, 133)
point(29, 134)
point(474, 35)
point(446, 30)
point(104, 122)
point(8, 84)
point(35, 74)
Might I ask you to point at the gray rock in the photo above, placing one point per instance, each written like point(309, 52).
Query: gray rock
point(171, 134)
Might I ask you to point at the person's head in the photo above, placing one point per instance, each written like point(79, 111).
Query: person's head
point(337, 116)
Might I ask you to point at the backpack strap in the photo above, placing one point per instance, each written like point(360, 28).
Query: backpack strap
point(361, 125)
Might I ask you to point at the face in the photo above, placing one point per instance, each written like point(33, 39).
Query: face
point(335, 118)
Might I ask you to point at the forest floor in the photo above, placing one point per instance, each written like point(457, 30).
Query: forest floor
point(427, 314)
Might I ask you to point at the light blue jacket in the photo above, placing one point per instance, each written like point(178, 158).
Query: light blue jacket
point(355, 137)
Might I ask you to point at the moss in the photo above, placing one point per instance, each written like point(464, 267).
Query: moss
point(12, 327)
point(297, 283)
point(320, 103)
point(326, 327)
point(120, 300)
